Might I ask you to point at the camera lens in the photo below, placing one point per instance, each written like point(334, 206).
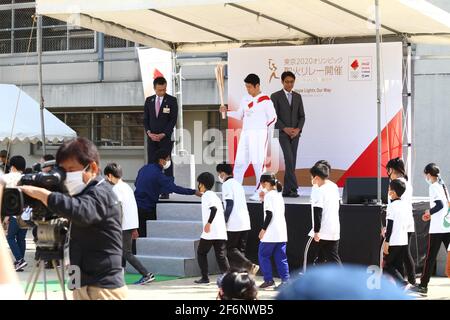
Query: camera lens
point(12, 202)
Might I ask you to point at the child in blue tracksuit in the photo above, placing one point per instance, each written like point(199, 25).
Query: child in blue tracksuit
point(273, 234)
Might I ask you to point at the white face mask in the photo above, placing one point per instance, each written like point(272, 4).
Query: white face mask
point(74, 181)
point(167, 165)
point(220, 179)
point(428, 181)
point(390, 195)
point(265, 190)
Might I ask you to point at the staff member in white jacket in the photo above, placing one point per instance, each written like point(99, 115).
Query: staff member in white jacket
point(130, 221)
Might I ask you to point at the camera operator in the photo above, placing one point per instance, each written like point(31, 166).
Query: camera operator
point(15, 235)
point(94, 212)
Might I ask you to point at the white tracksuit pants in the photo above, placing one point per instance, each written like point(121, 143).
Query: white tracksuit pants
point(252, 149)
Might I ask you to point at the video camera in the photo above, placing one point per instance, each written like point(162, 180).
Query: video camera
point(15, 201)
point(51, 230)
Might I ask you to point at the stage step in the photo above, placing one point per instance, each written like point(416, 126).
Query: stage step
point(170, 247)
point(174, 229)
point(179, 211)
point(185, 248)
point(174, 266)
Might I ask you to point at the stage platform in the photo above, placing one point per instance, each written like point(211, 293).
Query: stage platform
point(172, 240)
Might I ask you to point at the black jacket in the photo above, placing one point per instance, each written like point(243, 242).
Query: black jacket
point(287, 115)
point(167, 117)
point(96, 235)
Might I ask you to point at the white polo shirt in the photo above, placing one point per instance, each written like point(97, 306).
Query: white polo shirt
point(125, 194)
point(327, 197)
point(218, 227)
point(276, 231)
point(239, 219)
point(440, 221)
point(398, 211)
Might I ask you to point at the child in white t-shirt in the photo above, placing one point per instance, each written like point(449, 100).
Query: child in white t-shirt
point(214, 229)
point(396, 170)
point(273, 234)
point(236, 218)
point(396, 238)
point(325, 216)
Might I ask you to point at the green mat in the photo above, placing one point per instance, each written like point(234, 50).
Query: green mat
point(130, 278)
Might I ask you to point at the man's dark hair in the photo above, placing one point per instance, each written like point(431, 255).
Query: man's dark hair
point(3, 153)
point(252, 79)
point(48, 157)
point(81, 149)
point(114, 169)
point(161, 154)
point(206, 179)
point(159, 81)
point(398, 186)
point(18, 162)
point(320, 170)
point(286, 74)
point(225, 167)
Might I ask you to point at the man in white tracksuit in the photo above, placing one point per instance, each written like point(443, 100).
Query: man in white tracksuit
point(258, 115)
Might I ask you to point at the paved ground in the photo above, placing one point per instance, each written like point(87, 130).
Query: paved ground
point(184, 289)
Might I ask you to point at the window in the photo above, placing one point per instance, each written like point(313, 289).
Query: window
point(113, 42)
point(133, 129)
point(16, 25)
point(5, 41)
point(107, 129)
point(80, 39)
point(81, 123)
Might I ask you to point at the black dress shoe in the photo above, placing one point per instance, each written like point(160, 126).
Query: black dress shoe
point(291, 194)
point(164, 196)
point(202, 281)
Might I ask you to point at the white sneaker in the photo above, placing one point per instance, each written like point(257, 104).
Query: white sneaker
point(254, 269)
point(255, 197)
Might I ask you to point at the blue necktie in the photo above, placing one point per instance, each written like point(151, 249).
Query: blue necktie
point(289, 96)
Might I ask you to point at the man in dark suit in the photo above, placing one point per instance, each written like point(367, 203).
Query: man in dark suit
point(160, 118)
point(291, 118)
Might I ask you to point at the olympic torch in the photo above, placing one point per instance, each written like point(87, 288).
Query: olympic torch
point(220, 77)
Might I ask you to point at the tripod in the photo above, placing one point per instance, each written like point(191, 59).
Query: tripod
point(40, 267)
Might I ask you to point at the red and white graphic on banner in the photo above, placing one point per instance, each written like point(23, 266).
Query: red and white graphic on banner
point(339, 90)
point(155, 63)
